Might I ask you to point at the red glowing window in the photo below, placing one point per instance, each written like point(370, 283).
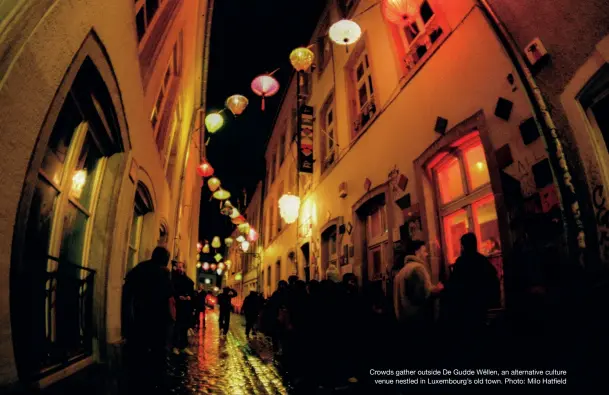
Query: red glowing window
point(475, 163)
point(486, 225)
point(450, 181)
point(455, 226)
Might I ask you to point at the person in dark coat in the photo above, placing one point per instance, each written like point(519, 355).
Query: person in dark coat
point(184, 289)
point(224, 301)
point(200, 305)
point(473, 289)
point(148, 311)
point(251, 308)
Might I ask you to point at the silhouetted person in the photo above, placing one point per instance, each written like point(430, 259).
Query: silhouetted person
point(148, 311)
point(200, 305)
point(224, 301)
point(184, 294)
point(472, 289)
point(251, 309)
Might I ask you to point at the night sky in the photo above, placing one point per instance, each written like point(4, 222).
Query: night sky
point(248, 38)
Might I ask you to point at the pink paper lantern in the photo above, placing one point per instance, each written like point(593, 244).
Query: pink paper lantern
point(400, 12)
point(265, 85)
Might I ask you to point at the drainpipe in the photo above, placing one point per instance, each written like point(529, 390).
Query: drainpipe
point(200, 113)
point(569, 203)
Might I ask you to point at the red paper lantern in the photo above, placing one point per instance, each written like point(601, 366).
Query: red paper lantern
point(265, 85)
point(205, 170)
point(400, 12)
point(238, 220)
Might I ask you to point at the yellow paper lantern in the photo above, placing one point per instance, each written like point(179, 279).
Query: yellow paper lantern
point(218, 257)
point(198, 265)
point(244, 228)
point(213, 122)
point(289, 206)
point(213, 184)
point(221, 194)
point(228, 262)
point(206, 248)
point(228, 241)
point(238, 276)
point(236, 104)
point(345, 32)
point(302, 58)
point(216, 242)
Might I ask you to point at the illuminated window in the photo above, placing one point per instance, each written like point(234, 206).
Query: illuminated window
point(475, 164)
point(466, 202)
point(450, 181)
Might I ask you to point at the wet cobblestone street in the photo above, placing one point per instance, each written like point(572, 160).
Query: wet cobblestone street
point(229, 365)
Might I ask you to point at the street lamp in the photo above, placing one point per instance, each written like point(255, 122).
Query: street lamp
point(289, 206)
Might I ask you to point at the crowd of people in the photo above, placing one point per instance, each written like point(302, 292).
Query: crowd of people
point(347, 330)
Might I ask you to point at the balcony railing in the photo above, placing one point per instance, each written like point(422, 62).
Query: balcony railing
point(58, 325)
point(423, 44)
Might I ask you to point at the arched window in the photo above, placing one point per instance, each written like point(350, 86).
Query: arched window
point(142, 205)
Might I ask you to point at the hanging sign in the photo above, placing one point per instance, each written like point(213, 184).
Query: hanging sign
point(305, 149)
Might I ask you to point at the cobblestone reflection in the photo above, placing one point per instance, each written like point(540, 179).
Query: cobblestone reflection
point(229, 365)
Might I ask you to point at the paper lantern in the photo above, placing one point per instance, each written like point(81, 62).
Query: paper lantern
point(252, 235)
point(264, 86)
point(216, 242)
point(302, 58)
point(216, 289)
point(205, 170)
point(206, 248)
point(238, 220)
point(234, 214)
point(213, 266)
point(218, 257)
point(244, 228)
point(228, 241)
point(228, 262)
point(238, 276)
point(240, 239)
point(221, 194)
point(198, 265)
point(198, 257)
point(199, 247)
point(221, 265)
point(345, 32)
point(213, 122)
point(219, 272)
point(400, 12)
point(289, 206)
point(236, 104)
point(205, 266)
point(245, 245)
point(213, 184)
point(207, 281)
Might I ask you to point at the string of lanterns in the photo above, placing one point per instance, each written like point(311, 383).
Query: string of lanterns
point(344, 32)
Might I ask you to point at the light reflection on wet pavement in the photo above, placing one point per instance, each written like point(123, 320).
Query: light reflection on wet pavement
point(229, 365)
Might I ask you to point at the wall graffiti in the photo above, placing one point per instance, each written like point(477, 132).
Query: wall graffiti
point(521, 168)
point(602, 219)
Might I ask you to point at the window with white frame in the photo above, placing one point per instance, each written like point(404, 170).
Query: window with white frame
point(465, 198)
point(595, 102)
point(376, 238)
point(141, 206)
point(329, 135)
point(145, 12)
point(420, 35)
point(364, 92)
